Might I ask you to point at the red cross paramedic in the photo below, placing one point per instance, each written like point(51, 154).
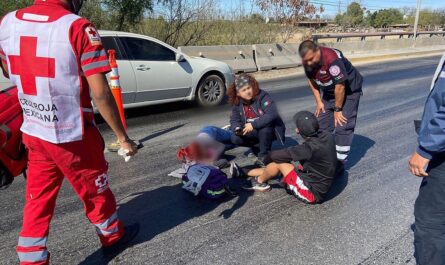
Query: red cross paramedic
point(56, 59)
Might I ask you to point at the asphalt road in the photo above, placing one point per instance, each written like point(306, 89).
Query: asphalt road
point(367, 218)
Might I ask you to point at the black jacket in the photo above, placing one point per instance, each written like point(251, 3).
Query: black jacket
point(318, 157)
point(267, 112)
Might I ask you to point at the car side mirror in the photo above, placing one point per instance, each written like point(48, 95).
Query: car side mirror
point(180, 57)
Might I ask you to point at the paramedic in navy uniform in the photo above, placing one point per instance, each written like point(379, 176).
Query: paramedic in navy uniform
point(341, 83)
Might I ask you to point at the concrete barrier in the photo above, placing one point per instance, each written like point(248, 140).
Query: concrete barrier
point(356, 47)
point(276, 56)
point(239, 57)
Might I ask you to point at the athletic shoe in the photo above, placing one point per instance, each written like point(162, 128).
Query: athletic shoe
point(131, 232)
point(254, 185)
point(235, 171)
point(260, 163)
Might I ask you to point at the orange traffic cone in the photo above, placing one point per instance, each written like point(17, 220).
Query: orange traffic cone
point(116, 86)
point(117, 94)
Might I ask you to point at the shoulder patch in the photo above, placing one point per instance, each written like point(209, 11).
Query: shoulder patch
point(334, 70)
point(267, 103)
point(93, 36)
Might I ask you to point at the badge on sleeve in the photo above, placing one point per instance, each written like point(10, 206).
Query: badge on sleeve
point(334, 70)
point(265, 104)
point(93, 36)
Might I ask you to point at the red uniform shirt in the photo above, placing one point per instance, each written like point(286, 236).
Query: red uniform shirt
point(84, 39)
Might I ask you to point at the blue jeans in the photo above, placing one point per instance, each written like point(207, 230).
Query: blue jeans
point(219, 135)
point(429, 211)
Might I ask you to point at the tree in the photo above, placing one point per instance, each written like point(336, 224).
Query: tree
point(288, 13)
point(7, 6)
point(127, 13)
point(430, 19)
point(387, 17)
point(93, 11)
point(355, 14)
point(353, 17)
point(184, 22)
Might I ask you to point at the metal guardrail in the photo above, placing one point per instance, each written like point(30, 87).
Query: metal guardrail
point(382, 35)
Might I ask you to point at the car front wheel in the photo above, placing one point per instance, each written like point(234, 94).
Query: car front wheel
point(211, 91)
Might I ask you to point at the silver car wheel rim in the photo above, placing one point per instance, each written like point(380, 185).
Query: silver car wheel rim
point(211, 91)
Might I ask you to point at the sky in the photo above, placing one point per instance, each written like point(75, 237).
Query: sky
point(332, 6)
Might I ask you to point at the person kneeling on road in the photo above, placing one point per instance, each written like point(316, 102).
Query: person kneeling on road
point(317, 156)
point(254, 119)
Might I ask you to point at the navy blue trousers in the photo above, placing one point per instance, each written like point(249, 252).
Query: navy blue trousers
point(429, 211)
point(343, 134)
point(264, 137)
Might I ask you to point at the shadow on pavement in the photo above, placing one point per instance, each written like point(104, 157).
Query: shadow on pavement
point(162, 209)
point(338, 186)
point(360, 146)
point(160, 132)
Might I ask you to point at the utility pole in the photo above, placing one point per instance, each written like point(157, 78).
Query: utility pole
point(416, 23)
point(339, 7)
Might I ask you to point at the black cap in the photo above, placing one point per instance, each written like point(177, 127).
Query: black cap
point(306, 123)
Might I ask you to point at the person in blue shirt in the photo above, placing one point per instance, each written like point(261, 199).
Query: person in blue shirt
point(428, 162)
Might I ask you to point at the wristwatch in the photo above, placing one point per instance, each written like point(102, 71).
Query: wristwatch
point(338, 109)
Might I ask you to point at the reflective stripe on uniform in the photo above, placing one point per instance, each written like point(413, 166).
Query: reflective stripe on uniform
point(105, 224)
point(93, 54)
point(95, 65)
point(35, 256)
point(32, 241)
point(104, 232)
point(342, 156)
point(104, 227)
point(342, 148)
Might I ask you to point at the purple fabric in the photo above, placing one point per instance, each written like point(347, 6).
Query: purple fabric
point(214, 185)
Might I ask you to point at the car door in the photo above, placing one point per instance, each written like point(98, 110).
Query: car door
point(126, 72)
point(159, 76)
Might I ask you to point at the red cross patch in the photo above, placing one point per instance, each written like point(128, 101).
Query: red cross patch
point(102, 183)
point(93, 36)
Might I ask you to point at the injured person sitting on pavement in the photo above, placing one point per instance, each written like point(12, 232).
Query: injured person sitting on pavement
point(312, 179)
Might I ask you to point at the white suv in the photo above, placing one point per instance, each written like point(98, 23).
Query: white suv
point(152, 72)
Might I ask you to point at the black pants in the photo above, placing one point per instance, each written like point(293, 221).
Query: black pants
point(343, 134)
point(264, 137)
point(429, 211)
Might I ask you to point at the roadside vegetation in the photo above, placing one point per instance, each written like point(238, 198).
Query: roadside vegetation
point(203, 22)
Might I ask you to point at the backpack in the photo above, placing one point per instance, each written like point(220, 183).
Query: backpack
point(205, 181)
point(13, 158)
